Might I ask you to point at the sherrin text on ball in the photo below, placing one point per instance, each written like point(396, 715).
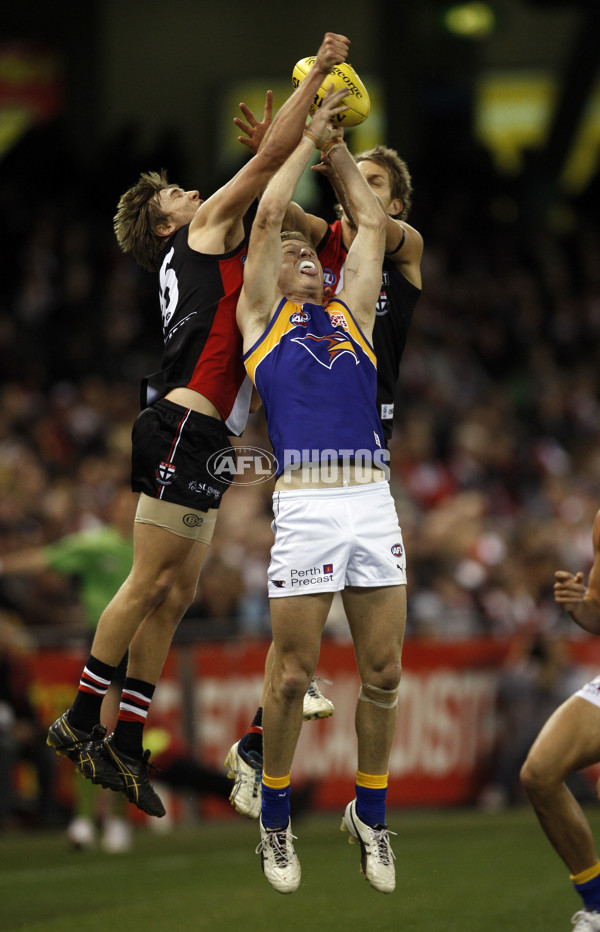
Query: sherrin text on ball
point(342, 76)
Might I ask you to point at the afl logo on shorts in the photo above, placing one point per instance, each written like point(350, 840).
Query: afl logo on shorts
point(397, 550)
point(329, 278)
point(191, 520)
point(165, 473)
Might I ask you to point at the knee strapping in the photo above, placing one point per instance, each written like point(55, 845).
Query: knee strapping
point(382, 698)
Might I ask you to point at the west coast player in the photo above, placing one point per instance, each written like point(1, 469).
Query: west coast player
point(389, 178)
point(315, 370)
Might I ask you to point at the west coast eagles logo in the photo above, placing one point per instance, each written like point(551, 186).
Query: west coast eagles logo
point(328, 348)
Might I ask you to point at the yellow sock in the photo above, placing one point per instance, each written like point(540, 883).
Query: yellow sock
point(588, 874)
point(372, 781)
point(277, 783)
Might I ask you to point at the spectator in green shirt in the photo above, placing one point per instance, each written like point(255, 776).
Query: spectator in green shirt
point(99, 559)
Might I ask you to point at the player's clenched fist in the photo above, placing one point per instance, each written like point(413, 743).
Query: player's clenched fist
point(333, 50)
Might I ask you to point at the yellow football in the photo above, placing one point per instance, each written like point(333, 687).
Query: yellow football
point(342, 76)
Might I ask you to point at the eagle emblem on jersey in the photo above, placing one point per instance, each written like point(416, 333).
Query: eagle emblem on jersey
point(327, 349)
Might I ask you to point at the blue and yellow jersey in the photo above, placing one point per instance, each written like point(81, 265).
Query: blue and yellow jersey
point(316, 374)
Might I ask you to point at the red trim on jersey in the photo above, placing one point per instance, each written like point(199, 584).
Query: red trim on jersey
point(332, 255)
point(219, 372)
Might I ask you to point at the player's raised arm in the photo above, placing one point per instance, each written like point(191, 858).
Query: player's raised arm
point(261, 271)
point(580, 601)
point(362, 272)
point(283, 132)
point(403, 244)
point(254, 130)
point(290, 120)
point(216, 226)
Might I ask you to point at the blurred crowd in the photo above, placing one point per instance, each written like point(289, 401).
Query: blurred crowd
point(495, 459)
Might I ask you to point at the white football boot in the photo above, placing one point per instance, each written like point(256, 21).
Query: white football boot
point(586, 921)
point(278, 858)
point(316, 705)
point(377, 857)
point(245, 769)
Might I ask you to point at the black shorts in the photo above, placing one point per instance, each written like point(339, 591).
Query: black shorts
point(172, 447)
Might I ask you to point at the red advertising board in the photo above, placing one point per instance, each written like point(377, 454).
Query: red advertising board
point(447, 717)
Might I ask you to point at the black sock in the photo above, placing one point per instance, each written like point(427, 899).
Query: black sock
point(253, 739)
point(133, 709)
point(94, 682)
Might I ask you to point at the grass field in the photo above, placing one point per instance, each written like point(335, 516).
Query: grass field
point(457, 871)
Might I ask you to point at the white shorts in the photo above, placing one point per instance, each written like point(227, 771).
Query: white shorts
point(327, 539)
point(591, 691)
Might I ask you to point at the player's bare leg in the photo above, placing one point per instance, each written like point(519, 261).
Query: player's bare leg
point(569, 740)
point(377, 620)
point(159, 577)
point(297, 623)
point(152, 641)
point(244, 761)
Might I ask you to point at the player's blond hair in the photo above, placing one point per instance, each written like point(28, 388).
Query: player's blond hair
point(138, 215)
point(401, 182)
point(294, 235)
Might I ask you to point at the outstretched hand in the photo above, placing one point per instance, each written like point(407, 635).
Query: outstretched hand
point(569, 589)
point(255, 130)
point(324, 166)
point(321, 127)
